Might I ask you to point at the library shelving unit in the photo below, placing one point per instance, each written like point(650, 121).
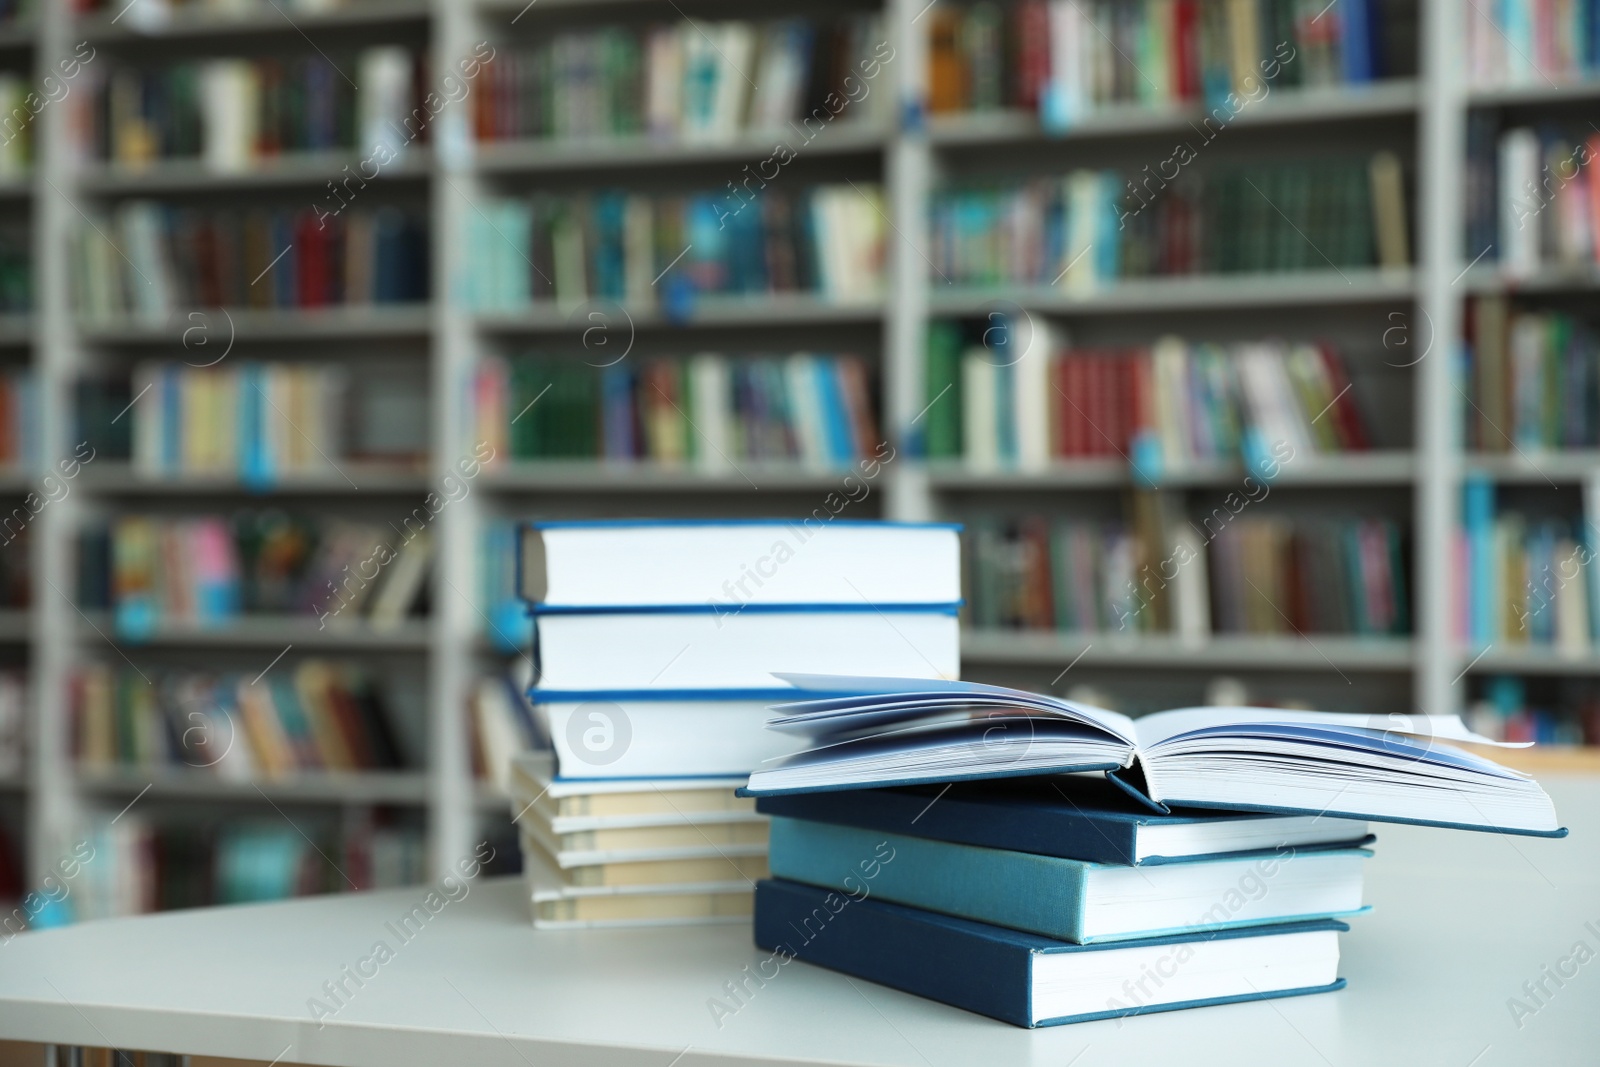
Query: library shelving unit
point(1413, 477)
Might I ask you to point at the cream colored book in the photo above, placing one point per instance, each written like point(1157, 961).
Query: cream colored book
point(584, 852)
point(681, 835)
point(658, 872)
point(533, 781)
point(556, 905)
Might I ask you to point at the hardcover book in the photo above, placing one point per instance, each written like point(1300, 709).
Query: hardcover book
point(889, 731)
point(1029, 980)
point(1070, 899)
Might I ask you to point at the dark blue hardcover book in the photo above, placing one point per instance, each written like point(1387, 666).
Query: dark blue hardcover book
point(1079, 819)
point(1029, 980)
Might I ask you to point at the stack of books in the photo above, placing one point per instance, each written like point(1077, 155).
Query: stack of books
point(655, 646)
point(1040, 895)
point(1041, 903)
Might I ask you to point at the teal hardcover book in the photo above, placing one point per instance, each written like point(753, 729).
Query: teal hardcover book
point(1070, 900)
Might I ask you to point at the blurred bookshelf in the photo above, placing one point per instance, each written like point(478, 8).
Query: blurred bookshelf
point(974, 187)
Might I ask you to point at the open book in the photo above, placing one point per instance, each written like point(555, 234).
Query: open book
point(896, 731)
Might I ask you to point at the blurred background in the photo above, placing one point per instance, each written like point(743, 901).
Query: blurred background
point(1252, 341)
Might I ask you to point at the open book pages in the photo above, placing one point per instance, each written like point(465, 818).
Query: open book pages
point(894, 731)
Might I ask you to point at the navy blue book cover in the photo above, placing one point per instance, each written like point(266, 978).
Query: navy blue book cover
point(975, 966)
point(1084, 819)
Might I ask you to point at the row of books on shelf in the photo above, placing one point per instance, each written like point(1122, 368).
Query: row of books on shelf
point(1533, 379)
point(1066, 59)
point(1532, 196)
point(708, 410)
point(698, 82)
point(1092, 227)
point(1530, 577)
point(1531, 42)
point(1162, 408)
point(260, 421)
point(234, 113)
point(152, 260)
point(143, 864)
point(153, 571)
point(158, 12)
point(1568, 714)
point(316, 715)
point(647, 250)
point(1159, 572)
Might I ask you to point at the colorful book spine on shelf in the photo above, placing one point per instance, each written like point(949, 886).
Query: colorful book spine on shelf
point(1532, 196)
point(1566, 714)
point(1088, 229)
point(647, 251)
point(142, 864)
point(1531, 42)
point(1533, 380)
point(13, 729)
point(317, 716)
point(695, 82)
point(1529, 575)
point(507, 624)
point(233, 113)
point(259, 421)
point(1276, 576)
point(19, 419)
point(1164, 407)
point(1068, 59)
point(16, 562)
point(16, 273)
point(152, 261)
point(16, 127)
point(708, 411)
point(154, 571)
point(503, 725)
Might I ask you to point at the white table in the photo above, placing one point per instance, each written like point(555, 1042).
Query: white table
point(1461, 921)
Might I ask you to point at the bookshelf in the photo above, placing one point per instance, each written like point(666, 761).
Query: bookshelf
point(1414, 476)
